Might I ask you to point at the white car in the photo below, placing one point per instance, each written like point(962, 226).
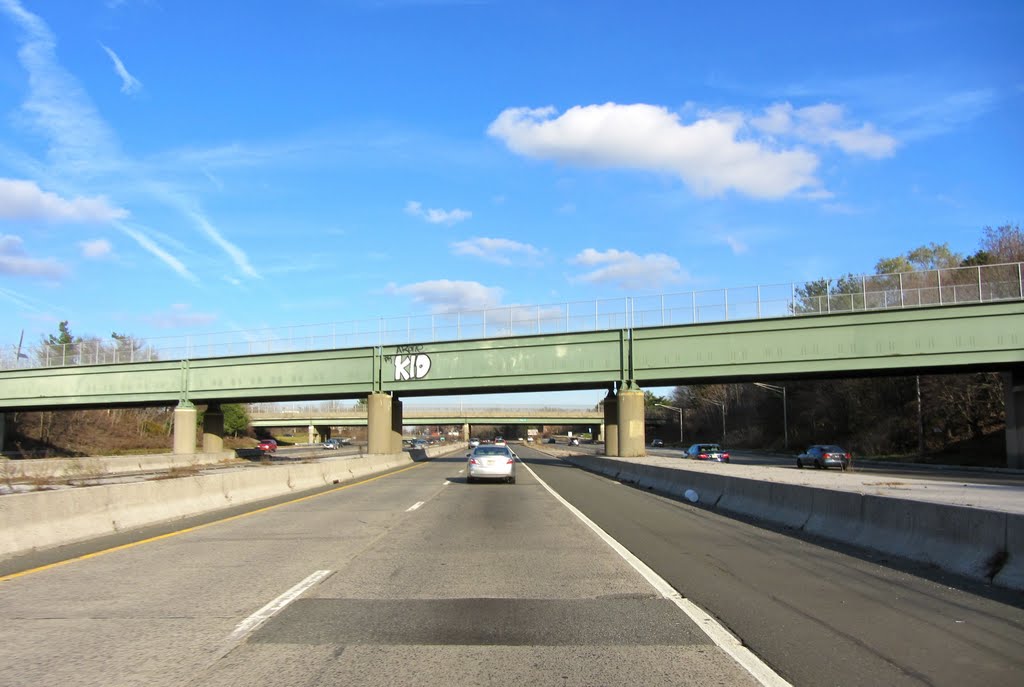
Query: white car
point(474, 442)
point(491, 462)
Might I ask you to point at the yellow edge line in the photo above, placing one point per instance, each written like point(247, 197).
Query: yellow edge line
point(197, 527)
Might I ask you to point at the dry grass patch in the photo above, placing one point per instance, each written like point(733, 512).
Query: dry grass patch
point(178, 471)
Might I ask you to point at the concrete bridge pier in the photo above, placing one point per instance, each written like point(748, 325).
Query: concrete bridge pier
point(378, 423)
point(1013, 383)
point(213, 429)
point(184, 428)
point(611, 425)
point(465, 431)
point(396, 426)
point(631, 423)
point(320, 433)
point(310, 434)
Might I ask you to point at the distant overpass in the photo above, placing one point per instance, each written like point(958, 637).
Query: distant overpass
point(319, 425)
point(433, 416)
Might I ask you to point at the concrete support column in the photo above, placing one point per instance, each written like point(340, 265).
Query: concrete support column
point(465, 431)
point(184, 428)
point(631, 424)
point(310, 434)
point(213, 429)
point(611, 425)
point(396, 426)
point(1013, 382)
point(600, 433)
point(378, 423)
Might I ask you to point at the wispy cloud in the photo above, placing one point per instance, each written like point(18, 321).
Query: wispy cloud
point(501, 251)
point(97, 248)
point(140, 237)
point(20, 199)
point(82, 146)
point(736, 245)
point(824, 124)
point(14, 261)
point(944, 113)
point(443, 295)
point(436, 216)
point(129, 84)
point(628, 270)
point(179, 315)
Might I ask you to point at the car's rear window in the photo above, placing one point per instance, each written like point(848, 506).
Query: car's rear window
point(710, 447)
point(491, 450)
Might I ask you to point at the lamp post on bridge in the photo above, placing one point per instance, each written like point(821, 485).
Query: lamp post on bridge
point(781, 390)
point(678, 410)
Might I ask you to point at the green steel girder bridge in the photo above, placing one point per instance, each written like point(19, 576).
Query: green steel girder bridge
point(948, 338)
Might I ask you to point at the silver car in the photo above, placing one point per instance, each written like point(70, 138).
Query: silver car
point(491, 462)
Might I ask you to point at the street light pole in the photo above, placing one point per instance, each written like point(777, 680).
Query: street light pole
point(720, 405)
point(678, 410)
point(785, 419)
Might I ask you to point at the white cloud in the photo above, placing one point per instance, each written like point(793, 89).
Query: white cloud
point(628, 270)
point(95, 249)
point(129, 84)
point(735, 244)
point(436, 216)
point(824, 124)
point(443, 295)
point(15, 262)
point(20, 199)
point(179, 315)
point(501, 251)
point(708, 154)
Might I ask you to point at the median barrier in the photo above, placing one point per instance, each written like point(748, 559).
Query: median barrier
point(984, 545)
point(788, 505)
point(835, 514)
point(45, 519)
point(99, 466)
point(1012, 573)
point(958, 539)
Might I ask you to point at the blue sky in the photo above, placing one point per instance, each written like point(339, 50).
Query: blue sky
point(171, 167)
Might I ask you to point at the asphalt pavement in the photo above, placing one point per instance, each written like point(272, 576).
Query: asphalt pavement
point(418, 578)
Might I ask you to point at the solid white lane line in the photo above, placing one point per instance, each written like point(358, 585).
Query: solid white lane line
point(722, 638)
point(264, 614)
point(414, 506)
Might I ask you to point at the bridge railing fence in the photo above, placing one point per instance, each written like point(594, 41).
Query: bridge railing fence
point(948, 286)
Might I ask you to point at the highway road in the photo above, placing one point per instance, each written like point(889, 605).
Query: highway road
point(418, 578)
point(945, 473)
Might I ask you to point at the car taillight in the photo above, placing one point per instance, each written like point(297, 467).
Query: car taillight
point(509, 461)
point(472, 461)
point(725, 455)
point(849, 457)
point(703, 455)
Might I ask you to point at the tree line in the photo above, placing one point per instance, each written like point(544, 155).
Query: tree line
point(915, 415)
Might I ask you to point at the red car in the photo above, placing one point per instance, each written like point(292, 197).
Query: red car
point(268, 445)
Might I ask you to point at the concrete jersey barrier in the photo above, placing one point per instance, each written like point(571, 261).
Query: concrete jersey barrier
point(986, 545)
point(45, 519)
